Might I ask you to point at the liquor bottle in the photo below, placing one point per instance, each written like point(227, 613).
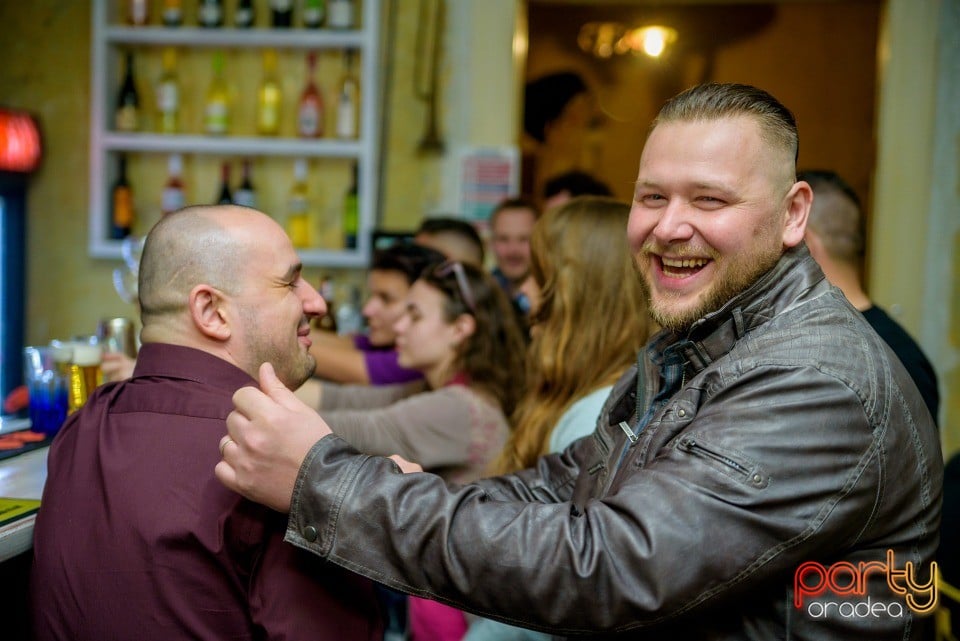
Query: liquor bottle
point(310, 112)
point(269, 96)
point(121, 213)
point(281, 13)
point(341, 14)
point(168, 95)
point(172, 13)
point(348, 100)
point(327, 322)
point(245, 194)
point(225, 198)
point(298, 206)
point(128, 101)
point(244, 16)
point(210, 13)
point(351, 213)
point(216, 113)
point(314, 13)
point(349, 314)
point(138, 12)
point(173, 196)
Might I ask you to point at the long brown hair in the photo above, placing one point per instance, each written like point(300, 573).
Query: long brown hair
point(492, 357)
point(591, 321)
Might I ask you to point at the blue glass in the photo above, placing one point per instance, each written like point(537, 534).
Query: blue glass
point(46, 379)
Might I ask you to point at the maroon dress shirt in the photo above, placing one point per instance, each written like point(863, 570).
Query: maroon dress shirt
point(136, 538)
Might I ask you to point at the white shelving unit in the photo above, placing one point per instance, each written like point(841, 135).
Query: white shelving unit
point(111, 37)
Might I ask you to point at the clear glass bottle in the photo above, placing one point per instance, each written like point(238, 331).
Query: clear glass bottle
point(298, 206)
point(310, 110)
point(173, 196)
point(128, 100)
point(216, 112)
point(138, 12)
point(348, 100)
point(269, 96)
point(341, 14)
point(168, 95)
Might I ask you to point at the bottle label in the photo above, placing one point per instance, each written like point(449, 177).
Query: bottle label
point(314, 11)
point(244, 198)
point(308, 120)
point(172, 199)
point(168, 97)
point(215, 120)
point(346, 118)
point(138, 12)
point(298, 229)
point(243, 17)
point(210, 13)
point(128, 119)
point(172, 14)
point(341, 14)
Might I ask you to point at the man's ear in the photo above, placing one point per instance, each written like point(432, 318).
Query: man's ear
point(207, 312)
point(799, 199)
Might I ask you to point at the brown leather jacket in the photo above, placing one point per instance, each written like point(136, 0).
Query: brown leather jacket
point(797, 441)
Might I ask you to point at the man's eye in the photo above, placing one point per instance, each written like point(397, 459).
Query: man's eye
point(652, 199)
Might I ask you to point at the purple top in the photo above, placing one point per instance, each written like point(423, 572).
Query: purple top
point(136, 539)
point(382, 365)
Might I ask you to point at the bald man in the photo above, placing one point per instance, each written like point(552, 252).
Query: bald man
point(135, 537)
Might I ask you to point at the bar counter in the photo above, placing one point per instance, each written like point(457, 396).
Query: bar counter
point(21, 477)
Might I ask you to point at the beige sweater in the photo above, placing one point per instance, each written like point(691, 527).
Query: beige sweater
point(451, 431)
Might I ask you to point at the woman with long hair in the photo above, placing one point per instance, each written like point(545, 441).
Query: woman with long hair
point(589, 320)
point(589, 323)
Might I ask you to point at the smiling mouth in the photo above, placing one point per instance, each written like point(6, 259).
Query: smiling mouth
point(681, 267)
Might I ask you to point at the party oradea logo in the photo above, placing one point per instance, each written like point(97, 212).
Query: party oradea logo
point(840, 589)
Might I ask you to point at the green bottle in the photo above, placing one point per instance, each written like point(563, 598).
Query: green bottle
point(351, 214)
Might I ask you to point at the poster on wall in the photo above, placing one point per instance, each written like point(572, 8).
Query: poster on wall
point(486, 176)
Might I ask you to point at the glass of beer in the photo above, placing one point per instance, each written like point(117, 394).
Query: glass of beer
point(85, 374)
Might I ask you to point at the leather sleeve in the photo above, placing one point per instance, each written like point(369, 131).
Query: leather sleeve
point(742, 487)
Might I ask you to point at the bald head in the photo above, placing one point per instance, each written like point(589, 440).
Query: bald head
point(201, 244)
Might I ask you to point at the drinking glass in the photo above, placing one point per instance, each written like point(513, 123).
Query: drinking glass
point(47, 382)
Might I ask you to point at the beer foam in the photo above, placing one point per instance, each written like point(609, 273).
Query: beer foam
point(86, 355)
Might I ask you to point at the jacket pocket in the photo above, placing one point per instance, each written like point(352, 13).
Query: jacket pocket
point(731, 463)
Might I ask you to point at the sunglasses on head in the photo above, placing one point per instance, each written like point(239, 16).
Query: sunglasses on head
point(466, 293)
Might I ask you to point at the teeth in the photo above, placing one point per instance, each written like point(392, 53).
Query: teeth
point(686, 262)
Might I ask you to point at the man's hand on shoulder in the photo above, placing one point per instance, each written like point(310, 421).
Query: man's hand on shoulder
point(270, 432)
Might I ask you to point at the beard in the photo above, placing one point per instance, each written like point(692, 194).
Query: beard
point(734, 275)
point(292, 363)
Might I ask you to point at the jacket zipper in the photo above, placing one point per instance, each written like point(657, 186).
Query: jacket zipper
point(692, 445)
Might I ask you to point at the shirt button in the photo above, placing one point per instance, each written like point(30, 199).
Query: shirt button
point(310, 533)
point(681, 412)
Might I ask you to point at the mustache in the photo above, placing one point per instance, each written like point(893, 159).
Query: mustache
point(652, 247)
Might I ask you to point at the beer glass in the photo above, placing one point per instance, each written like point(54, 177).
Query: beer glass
point(85, 374)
